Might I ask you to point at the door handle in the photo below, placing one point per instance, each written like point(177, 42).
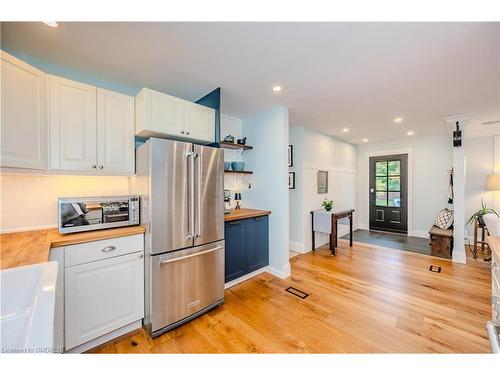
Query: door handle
point(190, 255)
point(198, 198)
point(107, 249)
point(191, 229)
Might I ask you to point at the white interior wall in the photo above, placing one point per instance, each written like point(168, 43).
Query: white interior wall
point(268, 133)
point(430, 159)
point(479, 153)
point(314, 151)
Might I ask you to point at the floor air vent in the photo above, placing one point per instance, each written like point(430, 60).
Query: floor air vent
point(435, 269)
point(297, 292)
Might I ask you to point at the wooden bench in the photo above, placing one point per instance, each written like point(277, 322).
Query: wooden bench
point(441, 242)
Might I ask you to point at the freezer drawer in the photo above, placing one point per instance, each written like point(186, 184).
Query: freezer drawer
point(184, 283)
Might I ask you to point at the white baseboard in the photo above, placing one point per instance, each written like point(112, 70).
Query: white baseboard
point(283, 273)
point(298, 247)
point(419, 233)
point(107, 337)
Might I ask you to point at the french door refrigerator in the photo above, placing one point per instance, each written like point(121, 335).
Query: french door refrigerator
point(182, 207)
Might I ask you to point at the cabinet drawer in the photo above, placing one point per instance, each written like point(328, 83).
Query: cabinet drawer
point(103, 249)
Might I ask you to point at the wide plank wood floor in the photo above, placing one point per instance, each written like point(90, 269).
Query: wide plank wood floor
point(367, 299)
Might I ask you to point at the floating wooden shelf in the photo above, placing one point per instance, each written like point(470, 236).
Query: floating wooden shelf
point(239, 172)
point(232, 145)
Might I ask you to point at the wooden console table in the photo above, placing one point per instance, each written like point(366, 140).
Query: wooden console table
point(336, 215)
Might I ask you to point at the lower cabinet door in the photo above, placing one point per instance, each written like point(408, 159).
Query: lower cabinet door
point(257, 243)
point(102, 296)
point(235, 258)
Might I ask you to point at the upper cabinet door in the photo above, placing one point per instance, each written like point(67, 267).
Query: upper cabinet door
point(73, 129)
point(159, 114)
point(24, 115)
point(200, 122)
point(115, 132)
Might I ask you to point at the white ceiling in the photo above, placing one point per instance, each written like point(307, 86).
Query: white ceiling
point(334, 75)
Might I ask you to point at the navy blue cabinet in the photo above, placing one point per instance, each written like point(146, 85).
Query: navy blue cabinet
point(247, 246)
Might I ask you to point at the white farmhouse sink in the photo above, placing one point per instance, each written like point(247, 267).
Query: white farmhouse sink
point(27, 308)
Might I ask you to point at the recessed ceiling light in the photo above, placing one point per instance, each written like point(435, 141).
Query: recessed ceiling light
point(397, 120)
point(345, 130)
point(410, 133)
point(364, 140)
point(51, 23)
point(277, 88)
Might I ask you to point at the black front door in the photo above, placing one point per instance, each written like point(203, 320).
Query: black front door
point(388, 193)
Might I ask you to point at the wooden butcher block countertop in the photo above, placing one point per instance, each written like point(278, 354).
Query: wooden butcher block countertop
point(245, 213)
point(25, 248)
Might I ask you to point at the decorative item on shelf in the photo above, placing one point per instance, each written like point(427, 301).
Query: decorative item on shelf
point(322, 182)
point(229, 138)
point(237, 198)
point(291, 180)
point(327, 204)
point(238, 166)
point(227, 165)
point(290, 156)
point(227, 201)
point(478, 215)
point(242, 141)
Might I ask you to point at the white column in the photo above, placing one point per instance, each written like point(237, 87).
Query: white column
point(459, 204)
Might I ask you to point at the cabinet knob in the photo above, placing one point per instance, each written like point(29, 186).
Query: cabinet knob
point(94, 166)
point(187, 133)
point(140, 256)
point(100, 167)
point(182, 131)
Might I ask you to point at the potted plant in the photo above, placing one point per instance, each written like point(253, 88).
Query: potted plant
point(327, 204)
point(482, 211)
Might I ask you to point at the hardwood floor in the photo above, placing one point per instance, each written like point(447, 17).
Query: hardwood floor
point(367, 299)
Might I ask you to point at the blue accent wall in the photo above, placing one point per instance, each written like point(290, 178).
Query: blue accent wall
point(76, 75)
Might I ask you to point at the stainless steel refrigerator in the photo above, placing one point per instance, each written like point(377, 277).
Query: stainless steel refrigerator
point(181, 188)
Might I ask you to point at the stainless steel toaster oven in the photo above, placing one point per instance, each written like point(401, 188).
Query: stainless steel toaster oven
point(90, 213)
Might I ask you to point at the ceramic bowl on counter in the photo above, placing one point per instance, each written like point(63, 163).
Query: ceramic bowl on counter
point(238, 166)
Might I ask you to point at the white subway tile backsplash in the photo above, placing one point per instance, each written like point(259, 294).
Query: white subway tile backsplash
point(30, 202)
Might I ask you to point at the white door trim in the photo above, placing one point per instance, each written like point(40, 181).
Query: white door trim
point(368, 155)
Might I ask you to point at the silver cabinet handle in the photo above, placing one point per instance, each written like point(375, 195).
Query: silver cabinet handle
point(94, 166)
point(182, 131)
point(107, 249)
point(187, 133)
point(191, 156)
point(190, 255)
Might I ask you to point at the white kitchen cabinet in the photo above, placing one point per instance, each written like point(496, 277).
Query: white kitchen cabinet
point(24, 142)
point(102, 296)
point(115, 132)
point(91, 129)
point(161, 115)
point(73, 125)
point(199, 121)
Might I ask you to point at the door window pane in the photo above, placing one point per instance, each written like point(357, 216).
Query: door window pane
point(394, 199)
point(381, 198)
point(394, 183)
point(394, 168)
point(381, 168)
point(381, 183)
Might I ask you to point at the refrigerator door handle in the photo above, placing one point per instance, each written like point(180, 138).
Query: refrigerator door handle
point(198, 199)
point(191, 155)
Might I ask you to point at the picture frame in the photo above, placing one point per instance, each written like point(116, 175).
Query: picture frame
point(291, 180)
point(322, 182)
point(290, 156)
